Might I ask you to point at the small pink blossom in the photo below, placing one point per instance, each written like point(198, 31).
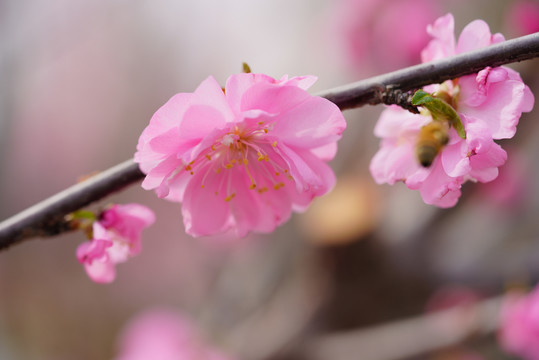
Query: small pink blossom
point(241, 158)
point(116, 236)
point(519, 328)
point(489, 105)
point(162, 334)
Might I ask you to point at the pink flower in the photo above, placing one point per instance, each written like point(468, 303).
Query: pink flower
point(519, 328)
point(508, 191)
point(523, 17)
point(241, 158)
point(489, 105)
point(116, 237)
point(372, 31)
point(163, 335)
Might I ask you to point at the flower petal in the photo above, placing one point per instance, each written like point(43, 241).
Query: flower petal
point(101, 271)
point(443, 43)
point(394, 163)
point(475, 35)
point(455, 161)
point(310, 173)
point(501, 110)
point(311, 124)
point(209, 93)
point(439, 188)
point(204, 209)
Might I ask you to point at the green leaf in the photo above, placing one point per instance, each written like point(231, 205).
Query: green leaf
point(246, 68)
point(419, 97)
point(440, 110)
point(84, 214)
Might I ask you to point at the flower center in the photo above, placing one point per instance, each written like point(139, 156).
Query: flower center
point(248, 149)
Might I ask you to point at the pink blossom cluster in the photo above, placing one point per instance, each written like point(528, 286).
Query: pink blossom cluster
point(240, 159)
point(116, 237)
point(489, 105)
point(162, 334)
point(519, 327)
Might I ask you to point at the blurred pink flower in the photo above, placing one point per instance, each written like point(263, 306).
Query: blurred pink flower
point(523, 17)
point(519, 328)
point(508, 191)
point(162, 334)
point(384, 34)
point(116, 237)
point(241, 158)
point(489, 105)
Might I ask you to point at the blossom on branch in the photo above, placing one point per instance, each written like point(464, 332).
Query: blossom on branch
point(243, 157)
point(489, 105)
point(116, 237)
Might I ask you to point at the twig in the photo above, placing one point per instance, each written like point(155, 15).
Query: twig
point(369, 91)
point(408, 338)
point(47, 217)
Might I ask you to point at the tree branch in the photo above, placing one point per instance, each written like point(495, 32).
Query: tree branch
point(47, 218)
point(408, 338)
point(369, 91)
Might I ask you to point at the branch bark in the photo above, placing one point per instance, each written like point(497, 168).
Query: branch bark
point(369, 91)
point(47, 218)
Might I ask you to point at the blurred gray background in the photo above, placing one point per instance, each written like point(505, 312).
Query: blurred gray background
point(79, 81)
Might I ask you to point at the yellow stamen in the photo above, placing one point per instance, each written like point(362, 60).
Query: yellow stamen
point(230, 197)
point(274, 143)
point(208, 157)
point(245, 164)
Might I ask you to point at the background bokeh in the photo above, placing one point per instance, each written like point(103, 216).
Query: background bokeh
point(79, 80)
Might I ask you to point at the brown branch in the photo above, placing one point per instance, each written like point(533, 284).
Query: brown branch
point(47, 218)
point(370, 91)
